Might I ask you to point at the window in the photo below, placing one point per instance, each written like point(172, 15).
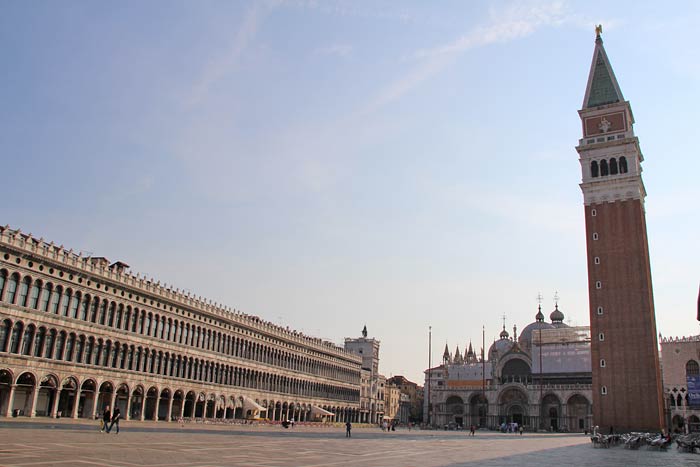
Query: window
point(594, 169)
point(3, 275)
point(34, 295)
point(598, 285)
point(623, 165)
point(604, 168)
point(613, 166)
point(23, 291)
point(594, 212)
point(600, 310)
point(45, 294)
point(596, 260)
point(692, 368)
point(603, 390)
point(602, 363)
point(595, 235)
point(12, 288)
point(601, 336)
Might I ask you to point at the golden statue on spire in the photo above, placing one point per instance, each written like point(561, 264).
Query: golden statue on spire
point(599, 29)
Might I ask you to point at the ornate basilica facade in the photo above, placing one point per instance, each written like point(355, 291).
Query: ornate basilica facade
point(540, 380)
point(78, 333)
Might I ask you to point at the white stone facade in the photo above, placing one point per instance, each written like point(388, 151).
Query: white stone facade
point(78, 334)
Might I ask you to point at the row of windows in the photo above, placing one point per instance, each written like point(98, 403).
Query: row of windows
point(69, 304)
point(89, 350)
point(606, 167)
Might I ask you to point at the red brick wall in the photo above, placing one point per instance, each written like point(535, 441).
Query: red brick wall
point(632, 372)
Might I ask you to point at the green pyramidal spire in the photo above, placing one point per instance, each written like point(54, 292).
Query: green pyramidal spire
point(602, 86)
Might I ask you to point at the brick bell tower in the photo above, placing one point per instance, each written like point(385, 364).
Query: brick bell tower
point(627, 389)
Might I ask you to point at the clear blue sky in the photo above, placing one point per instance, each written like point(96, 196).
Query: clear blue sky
point(331, 164)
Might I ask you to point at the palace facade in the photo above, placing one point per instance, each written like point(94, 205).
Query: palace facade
point(80, 333)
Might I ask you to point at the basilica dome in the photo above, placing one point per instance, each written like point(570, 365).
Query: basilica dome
point(525, 339)
point(501, 346)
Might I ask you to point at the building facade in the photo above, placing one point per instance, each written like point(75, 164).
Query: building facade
point(626, 373)
point(78, 333)
point(372, 393)
point(680, 362)
point(413, 402)
point(540, 380)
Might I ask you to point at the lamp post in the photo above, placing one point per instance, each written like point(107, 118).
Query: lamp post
point(430, 363)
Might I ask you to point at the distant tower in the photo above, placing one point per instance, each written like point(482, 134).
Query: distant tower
point(627, 392)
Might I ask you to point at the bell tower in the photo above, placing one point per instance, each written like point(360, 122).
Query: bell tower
point(627, 389)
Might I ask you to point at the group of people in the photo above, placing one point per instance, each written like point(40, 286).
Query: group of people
point(110, 420)
point(512, 427)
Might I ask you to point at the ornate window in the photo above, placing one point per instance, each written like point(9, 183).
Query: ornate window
point(23, 291)
point(692, 368)
point(12, 288)
point(613, 166)
point(623, 165)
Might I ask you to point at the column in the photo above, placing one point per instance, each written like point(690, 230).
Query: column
point(113, 400)
point(170, 409)
point(95, 400)
point(54, 408)
point(143, 407)
point(32, 407)
point(76, 401)
point(155, 412)
point(10, 400)
point(127, 415)
point(182, 409)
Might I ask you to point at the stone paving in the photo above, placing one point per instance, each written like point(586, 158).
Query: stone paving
point(69, 443)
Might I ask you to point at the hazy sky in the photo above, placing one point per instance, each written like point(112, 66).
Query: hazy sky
point(331, 164)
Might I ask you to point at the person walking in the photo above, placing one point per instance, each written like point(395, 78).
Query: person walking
point(115, 420)
point(472, 430)
point(521, 430)
point(106, 418)
point(348, 427)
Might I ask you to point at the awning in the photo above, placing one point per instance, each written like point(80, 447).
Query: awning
point(250, 404)
point(319, 411)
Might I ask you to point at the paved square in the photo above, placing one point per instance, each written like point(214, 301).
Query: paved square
point(67, 443)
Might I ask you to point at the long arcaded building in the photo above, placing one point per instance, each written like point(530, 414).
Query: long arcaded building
point(78, 333)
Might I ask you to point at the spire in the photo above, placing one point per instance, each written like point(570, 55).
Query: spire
point(602, 85)
point(458, 356)
point(364, 331)
point(446, 355)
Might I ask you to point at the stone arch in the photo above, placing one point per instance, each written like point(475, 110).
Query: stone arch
point(513, 406)
point(121, 399)
point(137, 401)
point(178, 404)
point(7, 377)
point(210, 408)
point(164, 404)
point(87, 399)
point(578, 411)
point(104, 396)
point(677, 424)
point(516, 370)
point(693, 424)
point(550, 411)
point(479, 409)
point(190, 403)
point(25, 385)
point(150, 411)
point(48, 390)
